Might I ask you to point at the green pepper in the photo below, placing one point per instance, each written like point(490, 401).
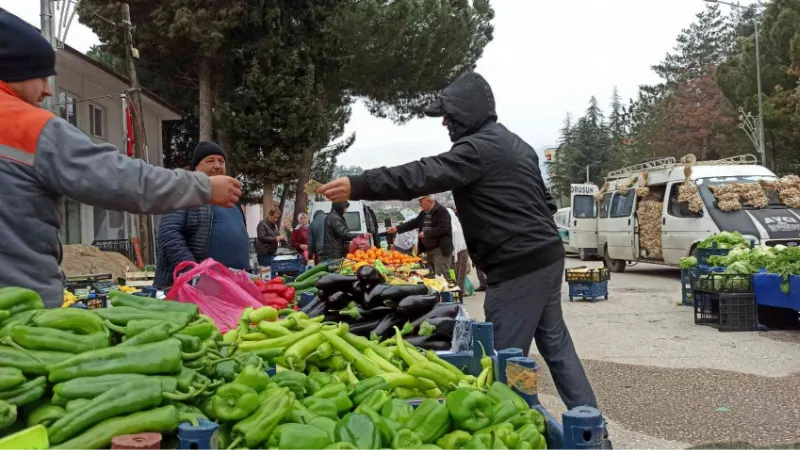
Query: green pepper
point(23, 318)
point(486, 441)
point(273, 330)
point(375, 400)
point(529, 416)
point(10, 377)
point(76, 404)
point(8, 414)
point(253, 377)
point(340, 446)
point(76, 320)
point(154, 358)
point(264, 313)
point(159, 420)
point(503, 411)
point(295, 381)
point(45, 414)
point(186, 378)
point(127, 398)
point(234, 402)
point(398, 410)
point(337, 393)
point(121, 315)
point(321, 407)
point(432, 371)
point(386, 427)
point(122, 299)
point(325, 424)
point(35, 338)
point(359, 430)
point(529, 433)
point(255, 429)
point(16, 300)
point(31, 362)
point(430, 420)
point(504, 431)
point(206, 405)
point(406, 439)
point(201, 329)
point(499, 392)
point(455, 440)
point(299, 413)
point(280, 342)
point(428, 446)
point(318, 380)
point(91, 387)
point(226, 370)
point(407, 393)
point(471, 410)
point(351, 354)
point(298, 436)
point(364, 388)
point(524, 445)
point(157, 333)
point(26, 393)
point(189, 344)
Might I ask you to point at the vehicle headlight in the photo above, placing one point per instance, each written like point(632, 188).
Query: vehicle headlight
point(750, 238)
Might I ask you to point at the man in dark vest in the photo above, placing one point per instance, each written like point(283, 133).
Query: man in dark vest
point(507, 216)
point(435, 234)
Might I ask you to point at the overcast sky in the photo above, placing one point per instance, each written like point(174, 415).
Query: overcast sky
point(547, 58)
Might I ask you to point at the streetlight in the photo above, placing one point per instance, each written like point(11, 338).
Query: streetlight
point(761, 149)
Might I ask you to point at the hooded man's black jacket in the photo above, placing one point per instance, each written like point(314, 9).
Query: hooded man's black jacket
point(505, 210)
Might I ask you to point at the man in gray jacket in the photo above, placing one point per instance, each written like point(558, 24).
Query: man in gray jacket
point(43, 159)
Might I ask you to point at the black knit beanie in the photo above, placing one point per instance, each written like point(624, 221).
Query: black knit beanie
point(24, 53)
point(204, 150)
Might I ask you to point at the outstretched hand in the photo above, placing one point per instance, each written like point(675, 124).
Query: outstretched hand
point(337, 190)
point(225, 191)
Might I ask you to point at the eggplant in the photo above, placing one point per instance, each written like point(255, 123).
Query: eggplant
point(339, 300)
point(311, 305)
point(333, 282)
point(386, 327)
point(397, 292)
point(417, 305)
point(373, 298)
point(429, 342)
point(441, 310)
point(438, 326)
point(323, 295)
point(359, 313)
point(364, 328)
point(317, 311)
point(369, 275)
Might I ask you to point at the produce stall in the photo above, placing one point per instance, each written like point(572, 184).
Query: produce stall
point(75, 378)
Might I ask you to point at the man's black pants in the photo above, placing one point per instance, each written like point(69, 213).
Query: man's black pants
point(529, 307)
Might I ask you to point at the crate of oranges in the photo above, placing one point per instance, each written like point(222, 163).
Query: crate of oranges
point(389, 258)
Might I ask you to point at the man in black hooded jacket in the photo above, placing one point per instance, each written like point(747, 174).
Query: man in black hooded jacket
point(507, 216)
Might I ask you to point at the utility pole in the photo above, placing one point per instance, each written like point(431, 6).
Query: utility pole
point(48, 32)
point(588, 178)
point(139, 142)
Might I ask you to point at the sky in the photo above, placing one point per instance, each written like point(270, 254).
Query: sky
point(547, 58)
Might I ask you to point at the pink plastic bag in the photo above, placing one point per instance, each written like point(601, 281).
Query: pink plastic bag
point(359, 243)
point(219, 293)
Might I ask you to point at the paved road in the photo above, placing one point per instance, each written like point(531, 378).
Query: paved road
point(664, 382)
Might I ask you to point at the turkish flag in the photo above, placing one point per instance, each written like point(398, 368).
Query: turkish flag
point(129, 130)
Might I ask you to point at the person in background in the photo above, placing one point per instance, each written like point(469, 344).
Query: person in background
point(337, 234)
point(268, 238)
point(435, 234)
point(507, 216)
point(299, 238)
point(207, 232)
point(460, 254)
point(316, 235)
point(44, 159)
point(406, 243)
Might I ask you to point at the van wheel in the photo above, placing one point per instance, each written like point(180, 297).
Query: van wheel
point(583, 255)
point(614, 265)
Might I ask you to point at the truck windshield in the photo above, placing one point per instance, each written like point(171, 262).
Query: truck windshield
point(704, 184)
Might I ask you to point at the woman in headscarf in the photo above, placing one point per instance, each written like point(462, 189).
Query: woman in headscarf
point(460, 254)
point(299, 238)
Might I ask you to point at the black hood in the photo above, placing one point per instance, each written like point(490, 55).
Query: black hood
point(468, 101)
point(339, 207)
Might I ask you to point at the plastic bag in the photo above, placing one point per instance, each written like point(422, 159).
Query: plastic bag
point(219, 292)
point(359, 243)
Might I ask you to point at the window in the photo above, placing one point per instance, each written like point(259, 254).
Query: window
point(622, 204)
point(584, 207)
point(605, 206)
point(353, 220)
point(70, 232)
point(97, 117)
point(680, 209)
point(68, 108)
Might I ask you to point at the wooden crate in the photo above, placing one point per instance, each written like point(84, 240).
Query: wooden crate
point(139, 279)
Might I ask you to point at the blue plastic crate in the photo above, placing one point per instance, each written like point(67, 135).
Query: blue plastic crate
point(702, 254)
point(767, 288)
point(287, 266)
point(686, 281)
point(588, 290)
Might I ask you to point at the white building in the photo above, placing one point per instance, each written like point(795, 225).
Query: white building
point(88, 95)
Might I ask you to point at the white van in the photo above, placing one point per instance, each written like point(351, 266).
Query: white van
point(583, 220)
point(561, 218)
point(682, 229)
point(359, 217)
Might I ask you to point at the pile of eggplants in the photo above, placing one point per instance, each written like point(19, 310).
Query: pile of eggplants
point(373, 308)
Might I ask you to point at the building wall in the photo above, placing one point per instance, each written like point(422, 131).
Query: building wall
point(94, 88)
